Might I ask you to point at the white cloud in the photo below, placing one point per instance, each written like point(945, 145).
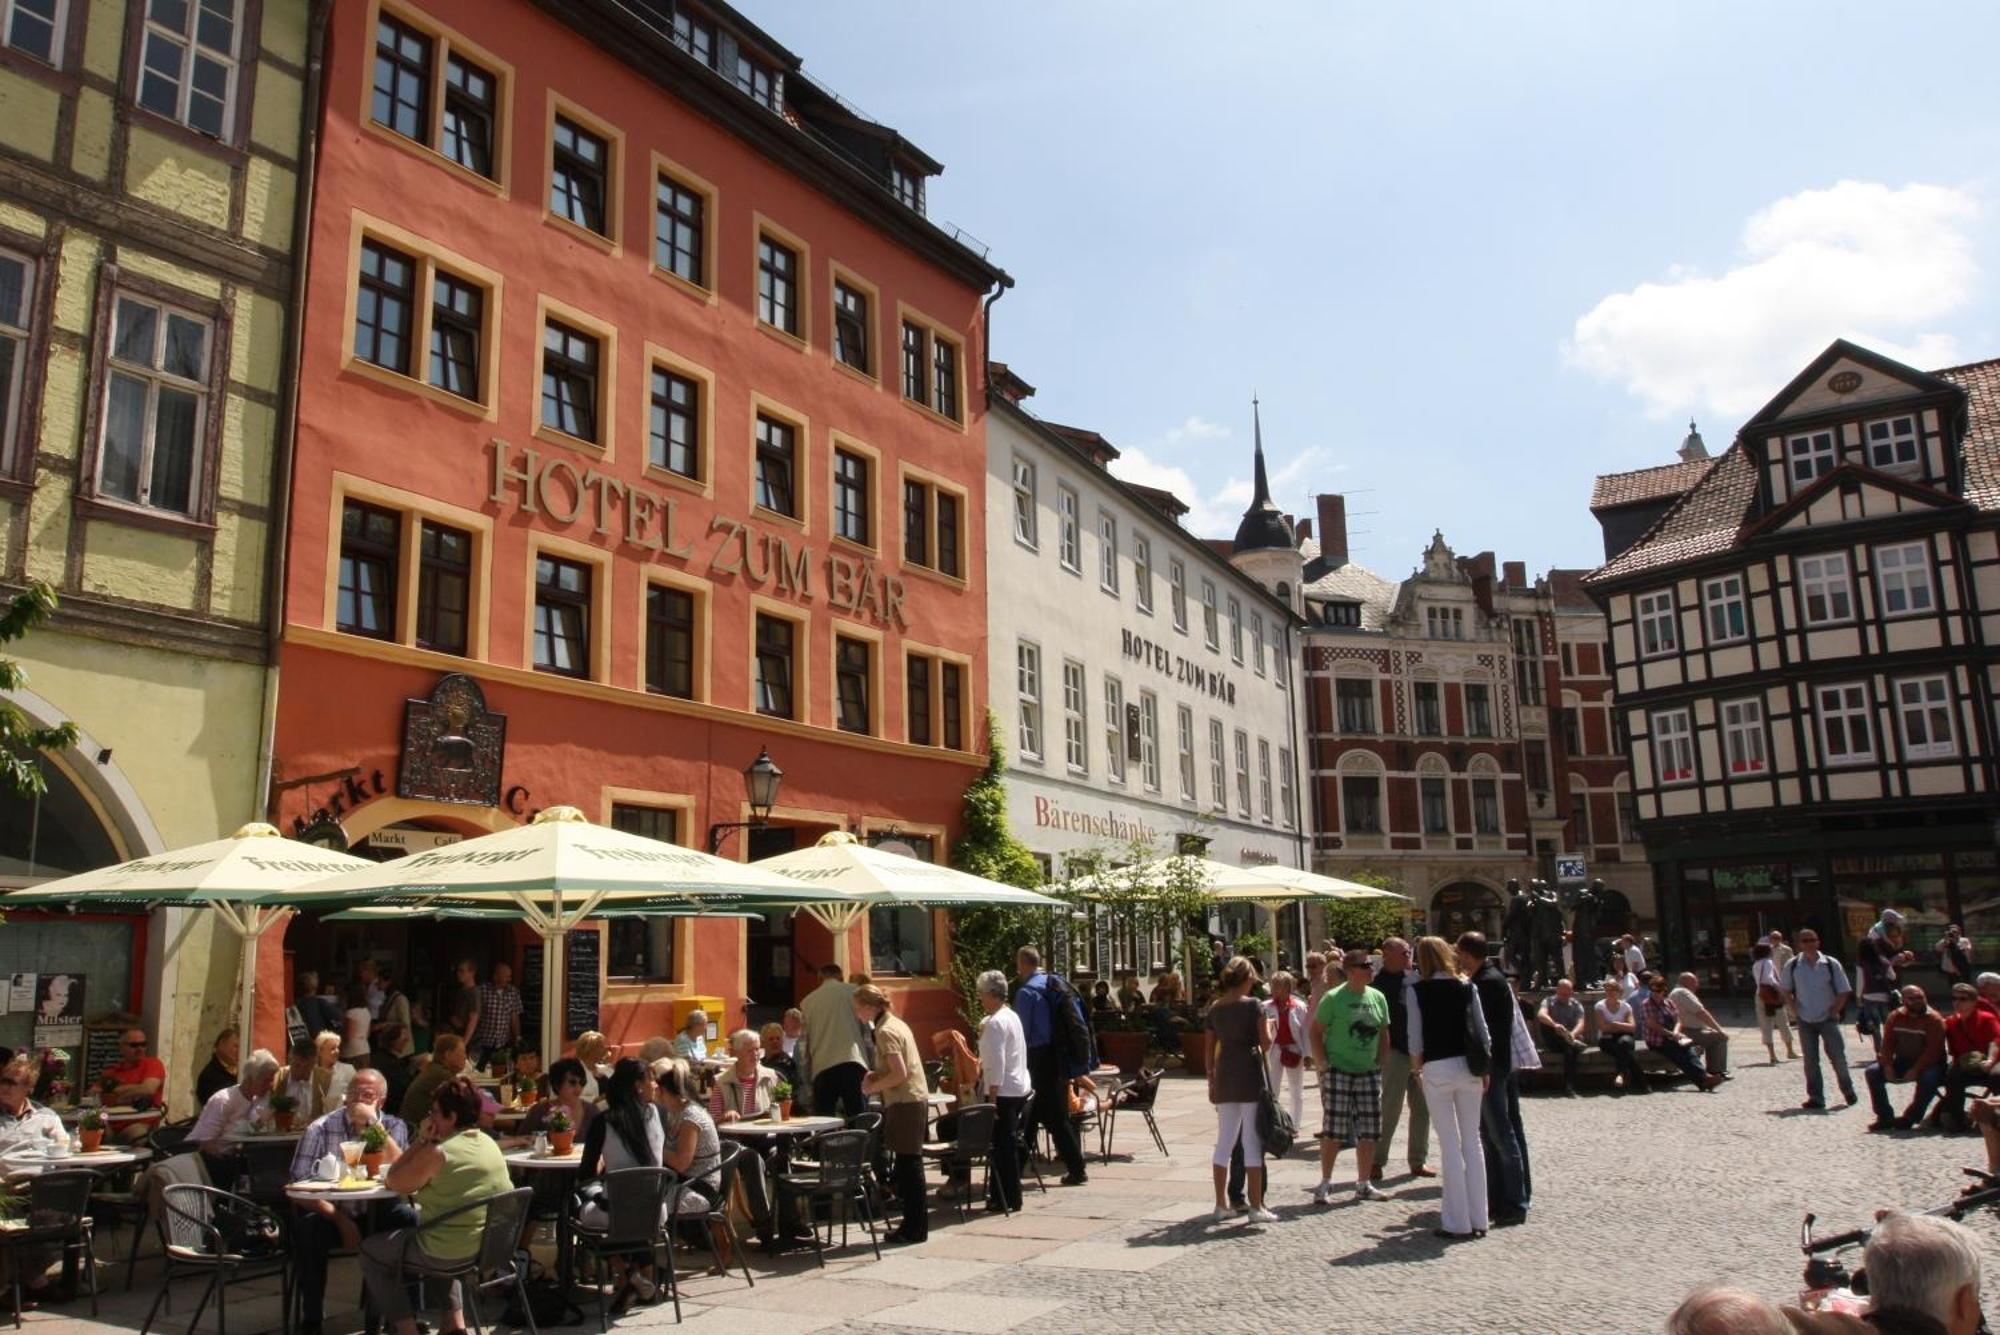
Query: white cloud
point(1214, 510)
point(1859, 260)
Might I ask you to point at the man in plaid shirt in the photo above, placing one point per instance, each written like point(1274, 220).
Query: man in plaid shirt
point(499, 1015)
point(1660, 1028)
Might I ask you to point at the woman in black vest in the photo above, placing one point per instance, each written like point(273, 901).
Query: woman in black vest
point(1446, 1025)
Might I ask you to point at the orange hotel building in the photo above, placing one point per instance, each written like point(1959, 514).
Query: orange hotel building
point(635, 434)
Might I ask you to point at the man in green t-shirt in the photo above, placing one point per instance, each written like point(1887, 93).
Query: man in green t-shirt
point(1352, 1028)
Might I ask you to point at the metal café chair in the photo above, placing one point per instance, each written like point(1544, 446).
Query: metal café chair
point(717, 1218)
point(499, 1261)
point(972, 1149)
point(636, 1206)
point(217, 1233)
point(1139, 1097)
point(58, 1216)
point(839, 1179)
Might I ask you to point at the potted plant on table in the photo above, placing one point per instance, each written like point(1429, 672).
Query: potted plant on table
point(781, 1102)
point(562, 1132)
point(90, 1130)
point(374, 1144)
point(284, 1110)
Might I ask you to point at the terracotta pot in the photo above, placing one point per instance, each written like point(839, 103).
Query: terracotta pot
point(561, 1142)
point(784, 1110)
point(90, 1140)
point(1194, 1051)
point(284, 1120)
point(1123, 1048)
point(371, 1162)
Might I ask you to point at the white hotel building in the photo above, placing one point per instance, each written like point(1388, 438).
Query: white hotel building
point(1143, 680)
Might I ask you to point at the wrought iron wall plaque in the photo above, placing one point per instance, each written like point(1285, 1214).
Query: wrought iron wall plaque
point(452, 745)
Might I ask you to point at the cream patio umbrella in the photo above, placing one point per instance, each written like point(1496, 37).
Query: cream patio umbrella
point(555, 872)
point(1307, 885)
point(1218, 878)
point(251, 880)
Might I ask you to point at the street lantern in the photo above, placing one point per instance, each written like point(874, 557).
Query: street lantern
point(760, 781)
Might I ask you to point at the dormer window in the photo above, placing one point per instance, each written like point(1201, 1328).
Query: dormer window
point(1892, 443)
point(1343, 614)
point(757, 80)
point(1811, 455)
point(695, 36)
point(907, 186)
point(1445, 623)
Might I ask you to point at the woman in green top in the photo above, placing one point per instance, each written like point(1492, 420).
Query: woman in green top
point(454, 1164)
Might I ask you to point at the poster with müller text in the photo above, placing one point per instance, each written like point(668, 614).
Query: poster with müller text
point(58, 1008)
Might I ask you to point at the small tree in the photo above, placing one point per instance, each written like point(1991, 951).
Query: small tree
point(20, 741)
point(1365, 922)
point(986, 938)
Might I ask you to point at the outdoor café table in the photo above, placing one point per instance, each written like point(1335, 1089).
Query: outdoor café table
point(112, 1116)
point(569, 1164)
point(97, 1161)
point(305, 1192)
point(779, 1135)
point(269, 1137)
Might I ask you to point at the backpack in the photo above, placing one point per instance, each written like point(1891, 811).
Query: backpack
point(1069, 1031)
point(1478, 1055)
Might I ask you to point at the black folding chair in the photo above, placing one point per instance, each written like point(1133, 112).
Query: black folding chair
point(839, 1179)
point(210, 1231)
point(717, 1215)
point(498, 1263)
point(1139, 1097)
point(973, 1149)
point(636, 1205)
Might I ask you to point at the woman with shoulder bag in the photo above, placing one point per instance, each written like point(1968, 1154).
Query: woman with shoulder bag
point(1238, 1038)
point(1771, 1010)
point(1448, 1039)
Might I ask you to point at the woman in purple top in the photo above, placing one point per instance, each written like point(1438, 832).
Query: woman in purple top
point(1238, 1037)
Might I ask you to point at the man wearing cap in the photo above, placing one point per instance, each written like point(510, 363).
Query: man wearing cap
point(1876, 960)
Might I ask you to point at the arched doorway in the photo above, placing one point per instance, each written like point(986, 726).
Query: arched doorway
point(1466, 906)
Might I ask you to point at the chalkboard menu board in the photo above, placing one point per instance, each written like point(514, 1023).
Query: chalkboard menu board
point(531, 999)
point(100, 1053)
point(580, 987)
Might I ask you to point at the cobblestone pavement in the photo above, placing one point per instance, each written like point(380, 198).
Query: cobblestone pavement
point(1664, 1192)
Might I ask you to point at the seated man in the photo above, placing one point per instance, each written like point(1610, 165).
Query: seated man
point(138, 1080)
point(1130, 999)
point(230, 1110)
point(1912, 1053)
point(1701, 1026)
point(321, 1227)
point(1660, 1026)
point(1972, 1051)
point(1559, 1024)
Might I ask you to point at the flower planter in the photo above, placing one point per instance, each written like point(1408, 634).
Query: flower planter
point(284, 1119)
point(91, 1140)
point(562, 1142)
point(371, 1162)
point(1194, 1051)
point(1123, 1048)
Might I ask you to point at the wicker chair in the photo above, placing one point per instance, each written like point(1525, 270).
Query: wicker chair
point(210, 1231)
point(637, 1202)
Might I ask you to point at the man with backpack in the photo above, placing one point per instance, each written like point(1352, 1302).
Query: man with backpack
point(1058, 1040)
point(1816, 986)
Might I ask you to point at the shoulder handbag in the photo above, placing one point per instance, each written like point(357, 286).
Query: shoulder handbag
point(1275, 1127)
point(1478, 1054)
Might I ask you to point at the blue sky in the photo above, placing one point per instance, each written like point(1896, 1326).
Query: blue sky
point(1469, 255)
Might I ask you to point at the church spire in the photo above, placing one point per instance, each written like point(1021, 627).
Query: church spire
point(1264, 524)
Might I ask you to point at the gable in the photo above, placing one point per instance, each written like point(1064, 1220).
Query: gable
point(1845, 377)
point(1849, 495)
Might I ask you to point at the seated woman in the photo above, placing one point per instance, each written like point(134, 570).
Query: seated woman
point(772, 1037)
point(526, 1078)
point(691, 1044)
point(692, 1149)
point(326, 1089)
point(1130, 998)
point(1162, 1012)
point(593, 1053)
point(1101, 1004)
point(744, 1091)
point(626, 1135)
point(220, 1073)
point(566, 1086)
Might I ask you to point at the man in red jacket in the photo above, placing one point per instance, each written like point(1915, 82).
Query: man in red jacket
point(1912, 1052)
point(1972, 1047)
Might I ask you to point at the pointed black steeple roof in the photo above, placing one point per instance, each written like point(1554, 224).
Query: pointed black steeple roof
point(1264, 525)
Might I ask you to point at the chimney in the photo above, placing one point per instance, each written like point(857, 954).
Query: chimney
point(1304, 528)
point(1333, 530)
point(1515, 574)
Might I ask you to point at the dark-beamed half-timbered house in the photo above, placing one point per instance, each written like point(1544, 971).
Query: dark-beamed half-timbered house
point(1804, 647)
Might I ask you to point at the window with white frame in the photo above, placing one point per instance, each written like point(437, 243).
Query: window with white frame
point(1211, 624)
point(1923, 706)
point(1287, 796)
point(17, 287)
point(1728, 616)
point(1069, 549)
point(1028, 692)
point(187, 66)
point(1264, 780)
point(1236, 628)
point(1903, 579)
point(1673, 746)
point(1486, 806)
point(1811, 455)
point(1142, 572)
point(1024, 502)
point(1218, 767)
point(1184, 740)
point(1658, 631)
point(34, 27)
point(1824, 591)
point(1361, 803)
point(155, 406)
point(1177, 592)
point(1257, 642)
point(1114, 728)
point(1845, 733)
point(1076, 733)
point(1107, 552)
point(1743, 736)
point(1892, 442)
point(1243, 773)
point(1149, 741)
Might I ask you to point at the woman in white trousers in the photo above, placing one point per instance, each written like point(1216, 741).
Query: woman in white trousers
point(1445, 1025)
point(1290, 1052)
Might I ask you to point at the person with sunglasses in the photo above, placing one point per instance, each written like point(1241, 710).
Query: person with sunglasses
point(566, 1092)
point(1660, 1024)
point(1972, 1048)
point(25, 1124)
point(137, 1080)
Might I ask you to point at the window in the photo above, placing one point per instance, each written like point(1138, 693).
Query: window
point(1114, 729)
point(1811, 455)
point(1149, 741)
point(1445, 623)
point(1142, 572)
point(1571, 721)
point(1536, 760)
point(1727, 618)
point(370, 545)
point(917, 699)
point(155, 407)
point(907, 186)
point(33, 27)
point(1903, 578)
point(1211, 626)
point(927, 681)
point(463, 129)
point(931, 536)
point(1184, 741)
point(1579, 817)
point(1743, 736)
point(1436, 809)
point(1070, 545)
point(1287, 798)
point(1257, 642)
point(1025, 526)
point(1478, 710)
point(851, 517)
point(1430, 713)
point(579, 174)
point(1923, 705)
point(1076, 723)
point(458, 313)
point(1235, 628)
point(1486, 806)
point(756, 79)
point(1361, 804)
point(777, 464)
point(569, 381)
point(851, 344)
point(188, 70)
point(1107, 552)
point(1264, 780)
point(1177, 592)
point(1218, 767)
point(1243, 773)
point(673, 428)
point(470, 102)
point(1568, 666)
point(1341, 614)
point(1028, 694)
point(1658, 631)
point(1892, 443)
point(777, 284)
point(1354, 704)
point(930, 369)
point(680, 230)
point(1844, 729)
point(17, 286)
point(641, 950)
point(444, 587)
point(1673, 746)
point(1628, 819)
point(951, 704)
point(694, 36)
point(902, 941)
point(562, 617)
point(777, 664)
point(853, 681)
point(1823, 589)
point(384, 307)
point(670, 641)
